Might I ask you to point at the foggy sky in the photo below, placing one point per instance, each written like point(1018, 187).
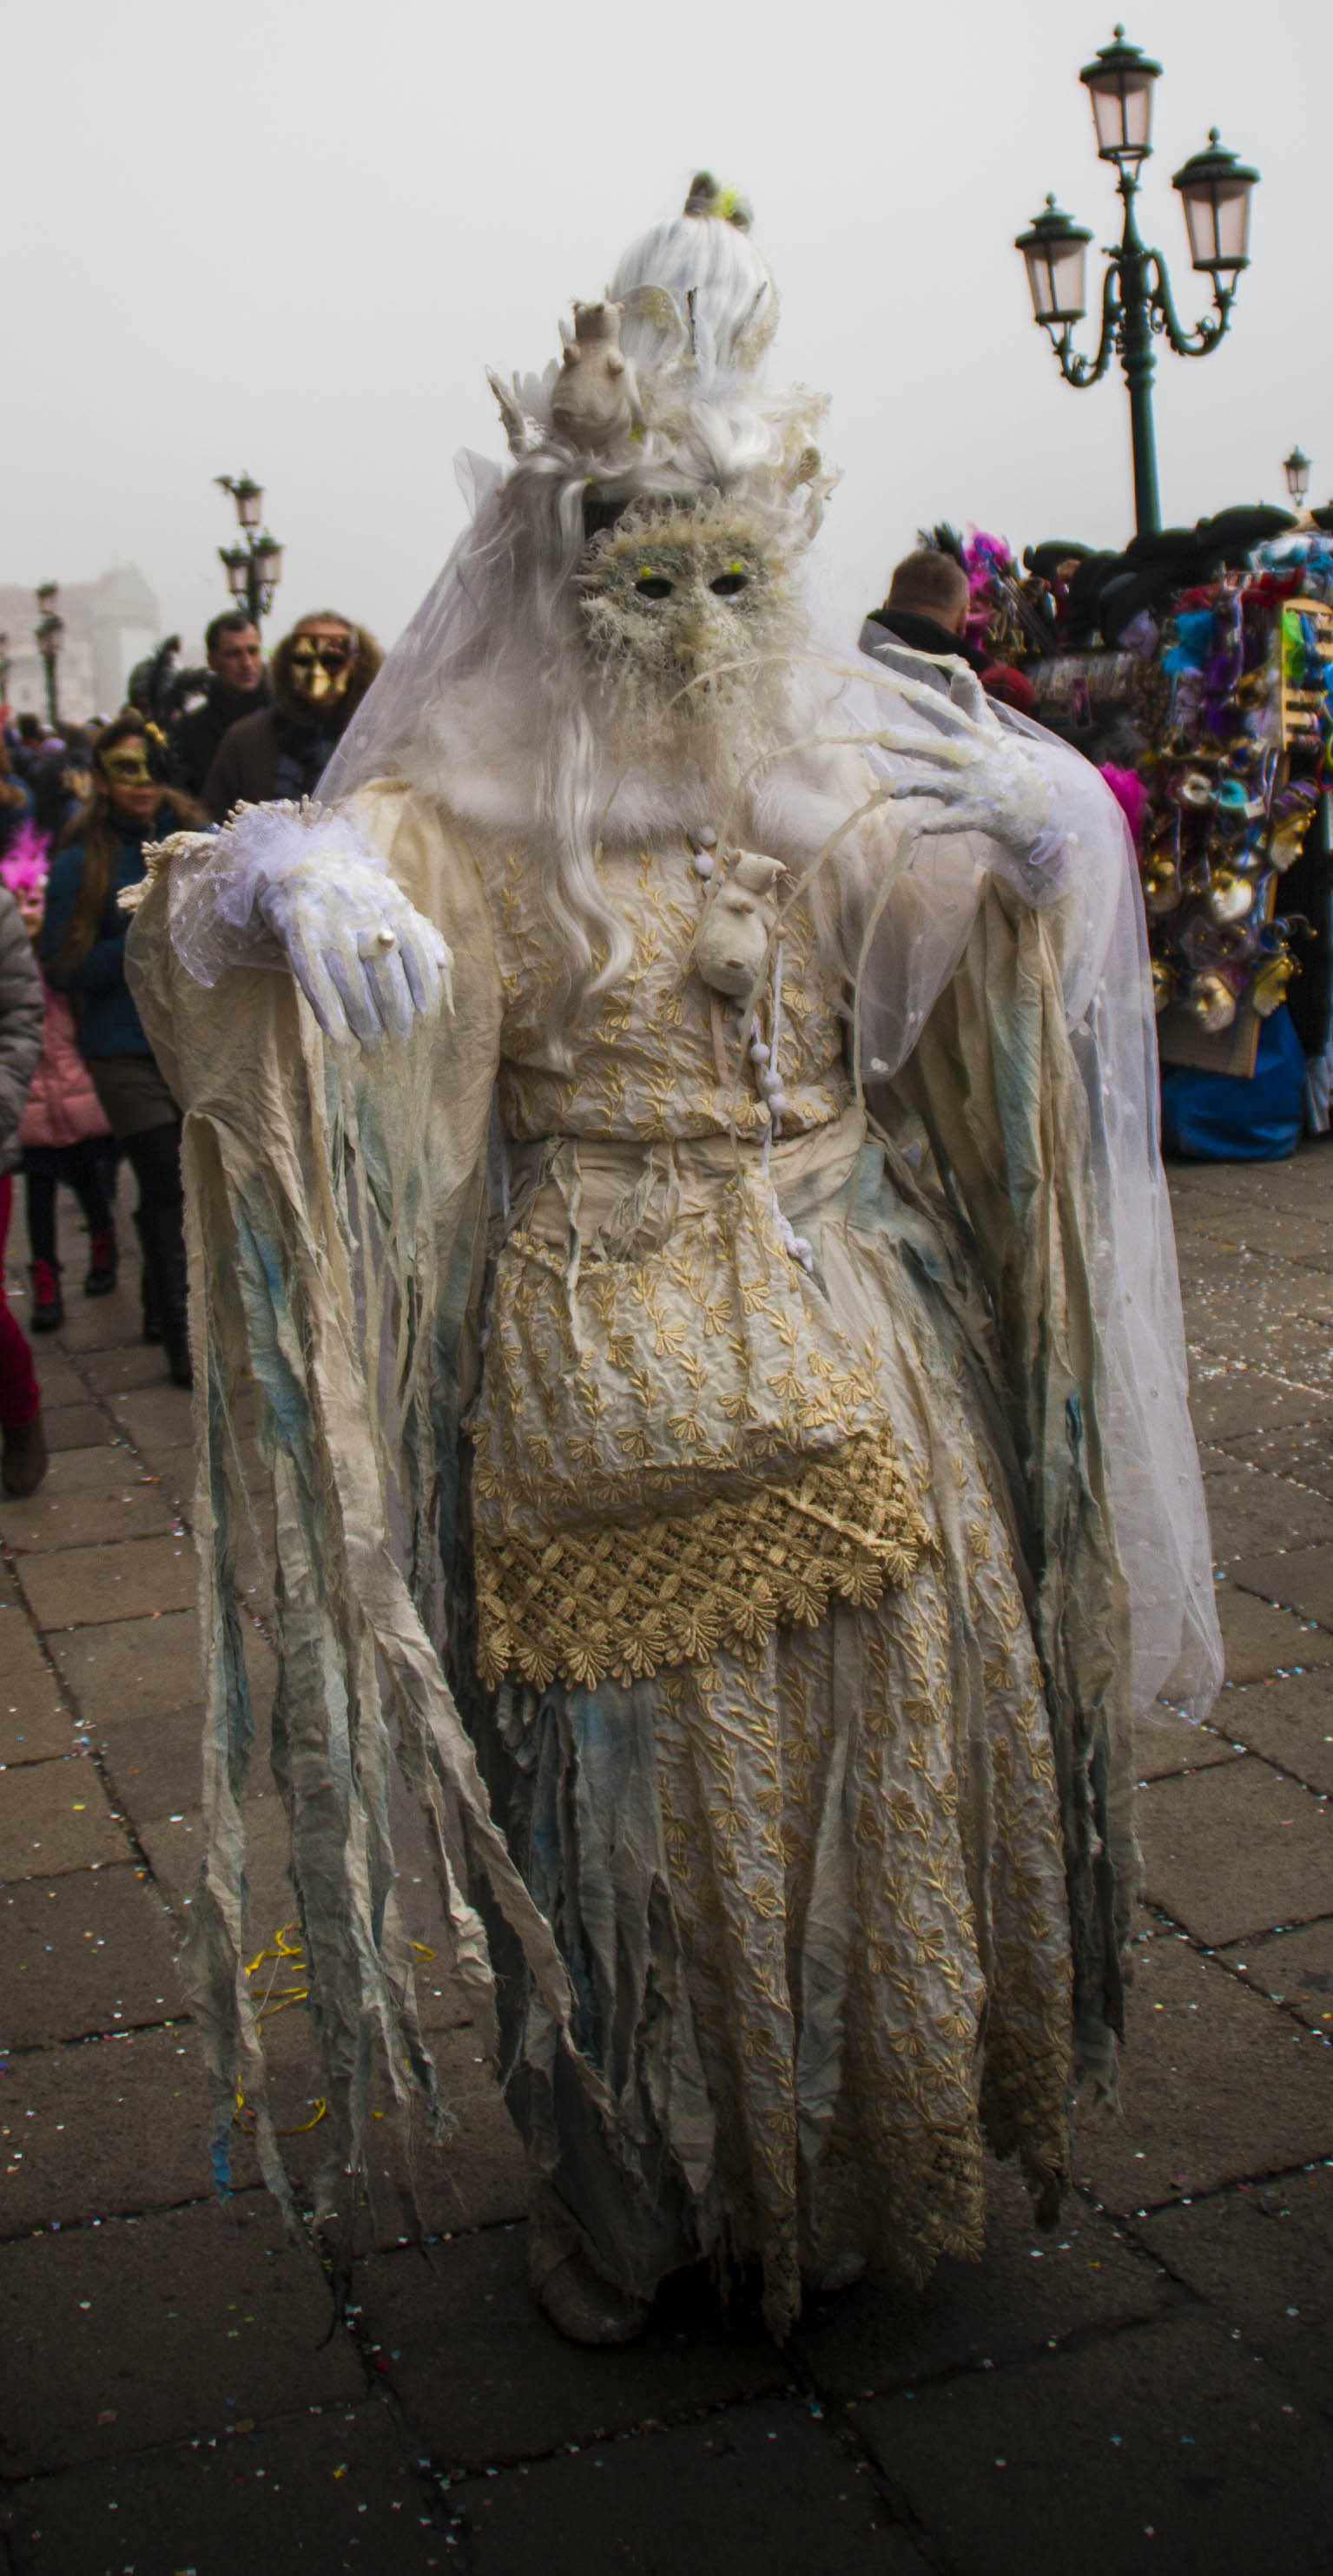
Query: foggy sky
point(288, 235)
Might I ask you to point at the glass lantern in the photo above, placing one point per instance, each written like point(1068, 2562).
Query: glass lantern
point(1055, 248)
point(1120, 85)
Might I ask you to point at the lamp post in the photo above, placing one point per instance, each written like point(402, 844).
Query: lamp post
point(253, 568)
point(1137, 304)
point(4, 670)
point(50, 636)
point(1297, 470)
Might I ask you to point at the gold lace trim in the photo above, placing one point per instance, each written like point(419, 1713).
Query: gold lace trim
point(628, 1600)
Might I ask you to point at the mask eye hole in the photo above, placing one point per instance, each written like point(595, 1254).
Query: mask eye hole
point(728, 583)
point(654, 585)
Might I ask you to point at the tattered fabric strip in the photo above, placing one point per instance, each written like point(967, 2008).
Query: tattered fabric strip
point(309, 1248)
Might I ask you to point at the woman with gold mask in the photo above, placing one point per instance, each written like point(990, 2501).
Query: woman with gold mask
point(83, 954)
point(320, 674)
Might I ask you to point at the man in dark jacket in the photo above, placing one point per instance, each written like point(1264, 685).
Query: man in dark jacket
point(238, 688)
point(926, 608)
point(321, 673)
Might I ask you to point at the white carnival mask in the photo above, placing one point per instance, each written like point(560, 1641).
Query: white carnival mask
point(673, 596)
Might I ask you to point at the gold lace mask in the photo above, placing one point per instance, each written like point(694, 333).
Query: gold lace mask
point(127, 766)
point(319, 667)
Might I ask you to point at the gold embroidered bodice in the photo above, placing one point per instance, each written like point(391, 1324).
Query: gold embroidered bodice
point(677, 1443)
point(645, 1065)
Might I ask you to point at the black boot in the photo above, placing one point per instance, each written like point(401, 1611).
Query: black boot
point(156, 1159)
point(164, 1251)
point(152, 1320)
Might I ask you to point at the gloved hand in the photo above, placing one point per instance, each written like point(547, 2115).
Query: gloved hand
point(367, 962)
point(978, 770)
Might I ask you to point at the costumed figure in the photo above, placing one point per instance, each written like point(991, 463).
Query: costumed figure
point(754, 1550)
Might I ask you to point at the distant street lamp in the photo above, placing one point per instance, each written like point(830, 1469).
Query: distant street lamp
point(5, 667)
point(1215, 191)
point(254, 569)
point(50, 637)
point(1297, 470)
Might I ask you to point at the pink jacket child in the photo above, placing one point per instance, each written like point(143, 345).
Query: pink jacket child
point(63, 1133)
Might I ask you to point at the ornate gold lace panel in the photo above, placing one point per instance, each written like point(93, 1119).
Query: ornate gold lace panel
point(606, 1598)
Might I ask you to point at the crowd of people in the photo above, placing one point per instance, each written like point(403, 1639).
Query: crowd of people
point(80, 1087)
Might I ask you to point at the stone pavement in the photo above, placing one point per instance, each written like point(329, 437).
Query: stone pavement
point(1151, 2386)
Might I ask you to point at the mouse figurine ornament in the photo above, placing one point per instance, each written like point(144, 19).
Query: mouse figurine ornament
point(595, 400)
point(732, 941)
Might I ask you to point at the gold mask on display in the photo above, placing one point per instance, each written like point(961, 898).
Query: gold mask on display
point(127, 766)
point(319, 667)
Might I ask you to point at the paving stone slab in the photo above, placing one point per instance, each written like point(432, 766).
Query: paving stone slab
point(84, 1586)
point(762, 2490)
point(1223, 1287)
point(1301, 1451)
point(75, 1426)
point(1217, 2085)
point(1249, 1511)
point(1165, 1743)
point(1264, 2259)
point(314, 2492)
point(54, 1816)
point(174, 1847)
point(1293, 1348)
point(134, 2321)
point(1258, 1639)
point(109, 2127)
point(1227, 1400)
point(1236, 1849)
point(1167, 2446)
point(1295, 1968)
point(124, 1504)
point(485, 2379)
point(154, 1764)
point(74, 1949)
point(59, 1380)
point(1289, 1722)
point(105, 1467)
point(150, 1665)
point(129, 1367)
point(159, 1417)
point(1030, 2290)
point(35, 1723)
point(1293, 1235)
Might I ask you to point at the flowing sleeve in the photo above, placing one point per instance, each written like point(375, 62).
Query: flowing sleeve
point(1034, 1071)
point(335, 1215)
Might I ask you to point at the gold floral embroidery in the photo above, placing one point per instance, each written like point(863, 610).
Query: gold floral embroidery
point(623, 1600)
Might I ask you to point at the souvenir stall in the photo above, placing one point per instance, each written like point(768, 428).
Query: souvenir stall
point(1236, 769)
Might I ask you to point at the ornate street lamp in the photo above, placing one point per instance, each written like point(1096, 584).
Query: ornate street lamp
point(253, 569)
point(1137, 304)
point(1297, 470)
point(50, 636)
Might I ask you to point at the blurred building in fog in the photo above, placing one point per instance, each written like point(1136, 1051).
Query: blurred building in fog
point(109, 625)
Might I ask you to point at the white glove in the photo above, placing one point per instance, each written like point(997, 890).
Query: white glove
point(980, 773)
point(299, 887)
point(367, 962)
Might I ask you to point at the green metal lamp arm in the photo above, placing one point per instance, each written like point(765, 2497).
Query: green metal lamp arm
point(1074, 367)
point(1165, 319)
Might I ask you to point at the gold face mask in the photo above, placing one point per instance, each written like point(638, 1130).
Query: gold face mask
point(320, 667)
point(127, 766)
